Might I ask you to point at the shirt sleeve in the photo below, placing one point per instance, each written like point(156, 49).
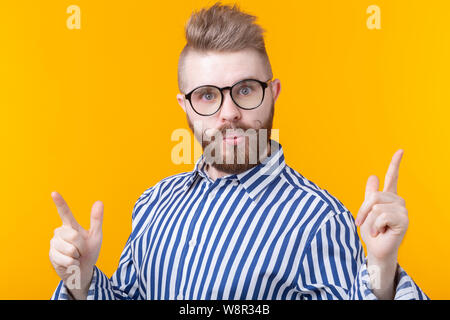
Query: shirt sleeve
point(124, 284)
point(334, 267)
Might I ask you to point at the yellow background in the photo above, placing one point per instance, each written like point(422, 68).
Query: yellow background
point(89, 113)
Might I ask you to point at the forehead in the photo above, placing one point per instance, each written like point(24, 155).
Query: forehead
point(222, 68)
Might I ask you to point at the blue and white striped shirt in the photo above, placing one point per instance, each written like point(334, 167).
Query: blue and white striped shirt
point(267, 233)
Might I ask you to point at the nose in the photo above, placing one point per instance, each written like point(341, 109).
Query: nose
point(229, 110)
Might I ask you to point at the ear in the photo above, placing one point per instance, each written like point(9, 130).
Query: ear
point(275, 86)
point(181, 101)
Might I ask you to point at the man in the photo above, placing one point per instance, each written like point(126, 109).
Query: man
point(236, 227)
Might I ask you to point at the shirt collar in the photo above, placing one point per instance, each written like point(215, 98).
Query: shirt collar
point(254, 180)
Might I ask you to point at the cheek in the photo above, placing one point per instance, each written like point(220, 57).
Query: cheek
point(267, 105)
point(199, 124)
point(258, 115)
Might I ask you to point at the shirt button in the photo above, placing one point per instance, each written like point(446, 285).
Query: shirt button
point(212, 195)
point(235, 182)
point(192, 243)
point(180, 296)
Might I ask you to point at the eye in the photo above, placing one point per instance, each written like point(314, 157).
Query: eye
point(245, 91)
point(208, 96)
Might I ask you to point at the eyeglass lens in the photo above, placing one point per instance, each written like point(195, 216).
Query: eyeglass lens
point(247, 94)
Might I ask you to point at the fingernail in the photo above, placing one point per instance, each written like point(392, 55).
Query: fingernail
point(357, 222)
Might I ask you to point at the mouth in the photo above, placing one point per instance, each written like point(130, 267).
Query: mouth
point(233, 139)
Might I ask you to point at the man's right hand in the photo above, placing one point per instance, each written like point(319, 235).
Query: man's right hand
point(74, 246)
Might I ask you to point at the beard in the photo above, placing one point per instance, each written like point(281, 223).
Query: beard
point(235, 159)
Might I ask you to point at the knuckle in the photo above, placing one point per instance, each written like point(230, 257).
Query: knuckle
point(405, 220)
point(57, 242)
point(70, 235)
point(70, 261)
point(72, 251)
point(376, 196)
point(57, 231)
point(51, 255)
point(60, 269)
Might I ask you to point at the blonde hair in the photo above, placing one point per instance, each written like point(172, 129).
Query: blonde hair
point(222, 28)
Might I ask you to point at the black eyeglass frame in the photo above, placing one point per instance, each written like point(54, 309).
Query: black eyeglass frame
point(264, 85)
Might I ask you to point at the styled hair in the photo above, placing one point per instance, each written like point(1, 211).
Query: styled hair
point(222, 28)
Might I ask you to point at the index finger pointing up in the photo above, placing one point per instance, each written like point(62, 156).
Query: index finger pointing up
point(391, 179)
point(64, 211)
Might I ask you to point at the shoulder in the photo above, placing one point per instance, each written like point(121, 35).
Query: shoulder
point(331, 207)
point(164, 186)
point(333, 224)
point(298, 181)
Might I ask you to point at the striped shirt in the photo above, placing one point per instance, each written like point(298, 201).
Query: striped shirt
point(267, 233)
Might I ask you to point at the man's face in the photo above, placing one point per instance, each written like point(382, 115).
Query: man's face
point(221, 133)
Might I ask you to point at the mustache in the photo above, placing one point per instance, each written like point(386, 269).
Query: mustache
point(209, 132)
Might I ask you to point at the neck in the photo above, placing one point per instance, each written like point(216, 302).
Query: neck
point(215, 173)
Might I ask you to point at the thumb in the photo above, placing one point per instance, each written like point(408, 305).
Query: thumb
point(372, 185)
point(96, 218)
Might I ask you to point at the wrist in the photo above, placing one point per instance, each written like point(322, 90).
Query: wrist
point(79, 291)
point(385, 263)
point(383, 276)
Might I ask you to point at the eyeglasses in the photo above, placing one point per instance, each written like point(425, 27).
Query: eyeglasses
point(247, 94)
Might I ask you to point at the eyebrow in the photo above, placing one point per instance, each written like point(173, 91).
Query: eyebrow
point(240, 79)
